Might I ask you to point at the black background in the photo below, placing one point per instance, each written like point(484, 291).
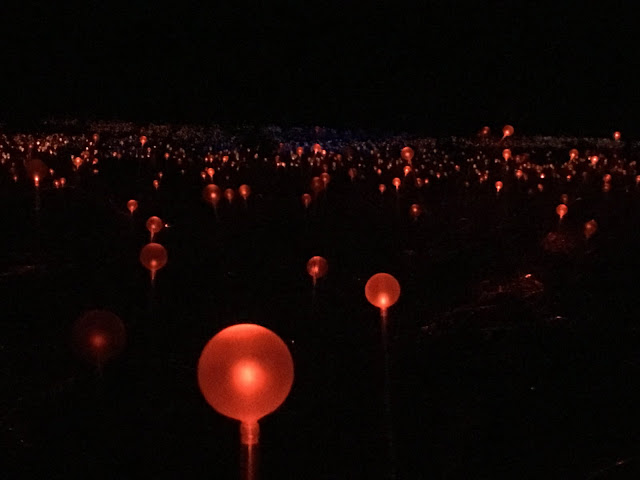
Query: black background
point(437, 69)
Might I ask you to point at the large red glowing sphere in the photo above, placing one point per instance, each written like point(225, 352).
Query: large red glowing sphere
point(153, 256)
point(382, 290)
point(132, 206)
point(317, 267)
point(211, 194)
point(154, 225)
point(245, 372)
point(407, 154)
point(98, 336)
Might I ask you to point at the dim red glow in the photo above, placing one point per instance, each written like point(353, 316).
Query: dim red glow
point(229, 194)
point(590, 228)
point(616, 136)
point(153, 256)
point(326, 178)
point(382, 188)
point(245, 372)
point(415, 211)
point(382, 290)
point(306, 200)
point(132, 206)
point(317, 267)
point(317, 185)
point(98, 336)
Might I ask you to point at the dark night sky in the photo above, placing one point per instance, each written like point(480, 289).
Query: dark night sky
point(434, 69)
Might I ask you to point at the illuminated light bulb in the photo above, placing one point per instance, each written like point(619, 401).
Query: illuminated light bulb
point(299, 151)
point(132, 205)
point(606, 178)
point(507, 131)
point(407, 170)
point(306, 200)
point(316, 148)
point(382, 290)
point(561, 210)
point(229, 194)
point(326, 178)
point(419, 182)
point(573, 154)
point(77, 162)
point(211, 194)
point(415, 211)
point(160, 175)
point(485, 131)
point(203, 175)
point(590, 228)
point(245, 372)
point(56, 183)
point(564, 198)
point(36, 180)
point(616, 136)
point(540, 187)
point(606, 187)
point(396, 183)
point(382, 188)
point(245, 191)
point(499, 186)
point(593, 159)
point(210, 171)
point(143, 140)
point(153, 256)
point(154, 225)
point(98, 336)
point(407, 154)
point(63, 181)
point(506, 154)
point(156, 184)
point(317, 267)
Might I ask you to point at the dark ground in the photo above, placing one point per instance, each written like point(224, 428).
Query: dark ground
point(541, 384)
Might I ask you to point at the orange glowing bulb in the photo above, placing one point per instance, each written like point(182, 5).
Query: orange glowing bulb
point(143, 140)
point(407, 170)
point(616, 136)
point(507, 131)
point(317, 267)
point(485, 131)
point(415, 211)
point(154, 225)
point(326, 178)
point(211, 194)
point(316, 148)
point(382, 291)
point(210, 172)
point(606, 178)
point(506, 154)
point(245, 191)
point(407, 154)
point(299, 151)
point(229, 194)
point(382, 188)
point(63, 181)
point(573, 154)
point(77, 162)
point(561, 210)
point(156, 184)
point(132, 205)
point(499, 186)
point(306, 200)
point(153, 256)
point(245, 372)
point(397, 182)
